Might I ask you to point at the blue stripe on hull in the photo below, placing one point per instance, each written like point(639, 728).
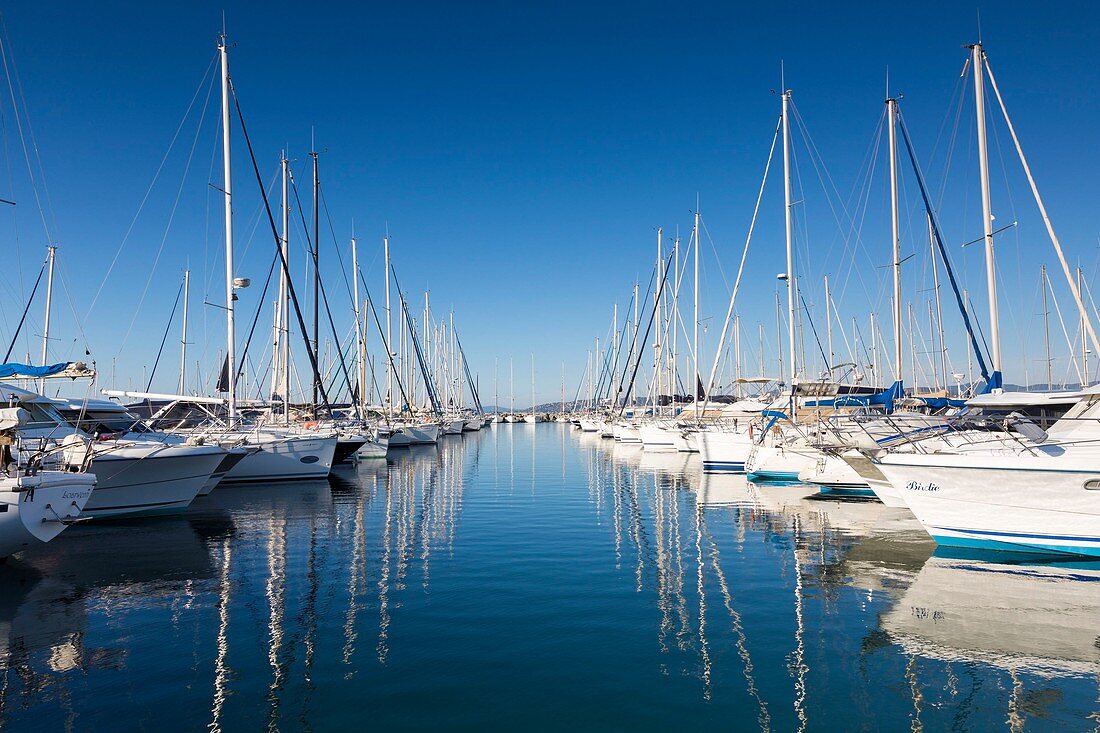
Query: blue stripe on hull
point(724, 466)
point(1021, 545)
point(773, 476)
point(849, 490)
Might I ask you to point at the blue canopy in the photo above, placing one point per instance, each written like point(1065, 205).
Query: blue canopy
point(26, 370)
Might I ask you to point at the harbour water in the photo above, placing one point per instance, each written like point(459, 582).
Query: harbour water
point(536, 578)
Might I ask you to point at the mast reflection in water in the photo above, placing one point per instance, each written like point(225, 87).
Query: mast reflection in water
point(528, 575)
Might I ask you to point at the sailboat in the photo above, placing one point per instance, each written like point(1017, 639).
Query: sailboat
point(1021, 488)
point(533, 417)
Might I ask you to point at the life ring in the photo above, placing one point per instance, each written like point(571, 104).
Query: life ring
point(311, 425)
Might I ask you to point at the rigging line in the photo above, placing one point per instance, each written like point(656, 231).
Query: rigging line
point(167, 226)
point(830, 190)
point(335, 242)
point(744, 256)
point(648, 328)
point(5, 48)
point(15, 336)
point(153, 183)
point(260, 307)
point(919, 175)
point(311, 245)
point(382, 336)
point(15, 216)
point(813, 328)
point(164, 339)
point(278, 247)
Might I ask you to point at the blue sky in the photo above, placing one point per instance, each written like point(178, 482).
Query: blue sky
point(523, 157)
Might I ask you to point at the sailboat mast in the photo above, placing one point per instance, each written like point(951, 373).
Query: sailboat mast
point(658, 357)
point(695, 335)
point(360, 361)
point(789, 225)
point(829, 326)
point(1046, 324)
point(51, 256)
point(978, 62)
point(183, 333)
point(895, 235)
point(389, 338)
point(227, 189)
point(316, 275)
point(282, 357)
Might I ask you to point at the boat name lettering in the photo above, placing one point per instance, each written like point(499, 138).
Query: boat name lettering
point(76, 494)
point(918, 486)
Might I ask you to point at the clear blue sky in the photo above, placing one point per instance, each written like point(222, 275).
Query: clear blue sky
point(523, 158)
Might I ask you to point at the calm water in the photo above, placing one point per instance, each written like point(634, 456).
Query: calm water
point(530, 577)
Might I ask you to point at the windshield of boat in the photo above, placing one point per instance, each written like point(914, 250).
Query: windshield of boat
point(104, 421)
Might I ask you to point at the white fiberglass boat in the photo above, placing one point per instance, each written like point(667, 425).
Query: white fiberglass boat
point(35, 509)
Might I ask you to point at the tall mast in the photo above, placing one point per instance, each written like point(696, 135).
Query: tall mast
point(51, 256)
point(895, 236)
point(227, 189)
point(977, 62)
point(1046, 324)
point(615, 382)
point(790, 234)
point(1084, 341)
point(183, 333)
point(939, 302)
point(360, 360)
point(829, 326)
point(563, 387)
point(532, 384)
point(737, 353)
point(282, 355)
point(658, 357)
point(511, 386)
point(389, 339)
point(634, 349)
point(316, 275)
point(695, 336)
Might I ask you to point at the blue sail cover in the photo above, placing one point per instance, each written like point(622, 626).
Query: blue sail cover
point(26, 370)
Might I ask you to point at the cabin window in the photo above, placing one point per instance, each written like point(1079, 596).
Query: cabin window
point(1093, 484)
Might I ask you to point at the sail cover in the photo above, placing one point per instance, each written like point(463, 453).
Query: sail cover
point(8, 371)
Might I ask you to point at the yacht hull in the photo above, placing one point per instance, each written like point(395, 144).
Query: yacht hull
point(292, 458)
point(1032, 506)
point(724, 451)
point(140, 480)
point(35, 509)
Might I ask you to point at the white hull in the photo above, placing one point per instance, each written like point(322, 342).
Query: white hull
point(286, 459)
point(589, 426)
point(832, 472)
point(454, 427)
point(531, 419)
point(724, 451)
point(149, 479)
point(657, 438)
point(32, 507)
point(426, 434)
point(1002, 501)
point(874, 478)
point(780, 462)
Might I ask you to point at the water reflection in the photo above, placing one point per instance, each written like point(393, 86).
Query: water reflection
point(930, 618)
point(459, 586)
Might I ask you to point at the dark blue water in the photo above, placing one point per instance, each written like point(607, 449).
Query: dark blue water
point(530, 577)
